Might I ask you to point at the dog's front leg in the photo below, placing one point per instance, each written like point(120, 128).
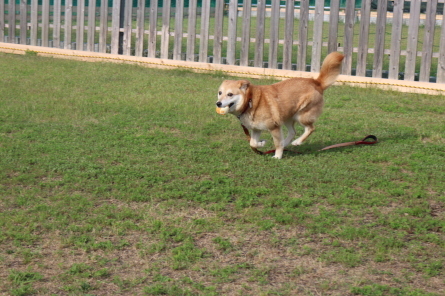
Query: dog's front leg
point(277, 135)
point(255, 141)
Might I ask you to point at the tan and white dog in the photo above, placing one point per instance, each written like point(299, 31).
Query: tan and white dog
point(269, 107)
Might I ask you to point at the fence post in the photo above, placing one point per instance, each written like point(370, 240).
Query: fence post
point(364, 38)
point(259, 44)
point(302, 35)
point(379, 47)
point(191, 36)
point(428, 40)
point(396, 38)
point(318, 36)
point(217, 42)
point(2, 21)
point(231, 44)
point(411, 48)
point(288, 35)
point(274, 30)
point(23, 21)
point(11, 22)
point(333, 25)
point(245, 39)
point(179, 17)
point(348, 39)
point(441, 63)
point(204, 40)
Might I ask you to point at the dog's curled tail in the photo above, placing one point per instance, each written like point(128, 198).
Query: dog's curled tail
point(330, 69)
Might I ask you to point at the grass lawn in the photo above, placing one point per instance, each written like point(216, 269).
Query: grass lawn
point(118, 179)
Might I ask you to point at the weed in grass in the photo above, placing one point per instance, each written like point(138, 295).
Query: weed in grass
point(299, 271)
point(266, 224)
point(162, 289)
point(432, 268)
point(125, 284)
point(21, 282)
point(346, 256)
point(185, 255)
point(385, 290)
point(80, 269)
point(30, 53)
point(223, 244)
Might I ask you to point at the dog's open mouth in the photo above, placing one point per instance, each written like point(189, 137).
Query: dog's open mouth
point(231, 104)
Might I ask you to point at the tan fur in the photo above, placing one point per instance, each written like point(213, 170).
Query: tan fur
point(269, 107)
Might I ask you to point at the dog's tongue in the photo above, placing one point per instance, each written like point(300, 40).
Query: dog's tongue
point(222, 111)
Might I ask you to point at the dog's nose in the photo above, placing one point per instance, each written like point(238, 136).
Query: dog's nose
point(218, 104)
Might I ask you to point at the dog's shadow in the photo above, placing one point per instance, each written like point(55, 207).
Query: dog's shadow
point(331, 146)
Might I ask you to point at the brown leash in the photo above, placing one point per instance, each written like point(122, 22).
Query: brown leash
point(364, 141)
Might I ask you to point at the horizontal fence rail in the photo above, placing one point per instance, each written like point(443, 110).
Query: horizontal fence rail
point(398, 39)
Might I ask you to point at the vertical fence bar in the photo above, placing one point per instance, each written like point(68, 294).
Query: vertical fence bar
point(441, 62)
point(288, 35)
point(349, 37)
point(396, 39)
point(153, 31)
point(68, 24)
point(204, 40)
point(318, 36)
point(2, 21)
point(274, 34)
point(379, 46)
point(23, 21)
point(115, 28)
point(245, 37)
point(45, 23)
point(91, 24)
point(128, 26)
point(333, 25)
point(80, 19)
point(362, 54)
point(302, 35)
point(231, 43)
point(140, 15)
point(218, 36)
point(103, 31)
point(57, 23)
point(413, 33)
point(191, 36)
point(165, 32)
point(260, 25)
point(11, 21)
point(428, 41)
point(179, 18)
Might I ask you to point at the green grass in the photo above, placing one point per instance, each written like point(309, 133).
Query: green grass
point(117, 178)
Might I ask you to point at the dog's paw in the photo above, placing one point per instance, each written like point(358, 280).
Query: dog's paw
point(297, 142)
point(276, 157)
point(261, 143)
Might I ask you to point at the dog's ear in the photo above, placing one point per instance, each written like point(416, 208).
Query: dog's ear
point(243, 84)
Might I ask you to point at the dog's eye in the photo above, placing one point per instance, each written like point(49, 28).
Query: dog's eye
point(220, 93)
point(229, 94)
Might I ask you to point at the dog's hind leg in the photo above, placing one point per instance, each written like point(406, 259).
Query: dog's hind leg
point(308, 130)
point(290, 132)
point(255, 141)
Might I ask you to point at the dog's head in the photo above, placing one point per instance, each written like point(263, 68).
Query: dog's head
point(232, 94)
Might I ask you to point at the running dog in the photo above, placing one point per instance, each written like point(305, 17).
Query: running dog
point(269, 107)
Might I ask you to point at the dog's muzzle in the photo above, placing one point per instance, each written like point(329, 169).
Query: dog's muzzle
point(219, 104)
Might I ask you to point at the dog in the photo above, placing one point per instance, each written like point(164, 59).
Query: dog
point(269, 107)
